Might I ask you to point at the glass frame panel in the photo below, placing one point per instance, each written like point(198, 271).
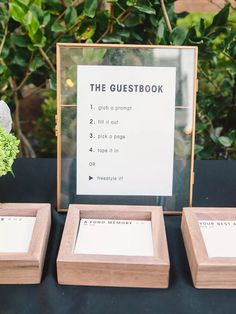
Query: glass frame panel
point(185, 61)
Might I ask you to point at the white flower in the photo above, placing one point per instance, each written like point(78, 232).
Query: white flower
point(5, 116)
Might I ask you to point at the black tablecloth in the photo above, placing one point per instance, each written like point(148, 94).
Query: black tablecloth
point(35, 181)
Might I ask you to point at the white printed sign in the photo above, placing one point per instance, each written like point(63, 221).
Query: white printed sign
point(219, 237)
point(114, 237)
point(125, 130)
point(15, 233)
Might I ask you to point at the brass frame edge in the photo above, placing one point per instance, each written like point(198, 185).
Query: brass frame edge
point(195, 89)
point(58, 125)
point(77, 45)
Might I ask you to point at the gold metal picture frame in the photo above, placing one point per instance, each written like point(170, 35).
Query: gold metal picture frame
point(69, 56)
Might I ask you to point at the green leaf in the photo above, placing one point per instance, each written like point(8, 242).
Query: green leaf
point(123, 33)
point(87, 29)
point(112, 39)
point(145, 9)
point(141, 6)
point(226, 84)
point(36, 63)
point(120, 23)
point(219, 30)
point(32, 25)
point(88, 55)
point(225, 141)
point(93, 56)
point(38, 12)
point(31, 47)
point(136, 36)
point(38, 3)
point(25, 2)
point(192, 37)
point(161, 29)
point(178, 35)
point(231, 37)
point(99, 54)
point(232, 49)
point(67, 38)
point(200, 127)
point(131, 3)
point(217, 131)
point(202, 26)
point(70, 16)
point(90, 7)
point(31, 22)
point(133, 20)
point(46, 19)
point(198, 148)
point(214, 138)
point(221, 18)
point(19, 60)
point(2, 68)
point(154, 20)
point(4, 14)
point(40, 40)
point(19, 40)
point(17, 11)
point(53, 81)
point(5, 51)
point(57, 27)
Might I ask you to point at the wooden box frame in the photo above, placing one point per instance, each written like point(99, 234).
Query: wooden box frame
point(26, 268)
point(217, 272)
point(110, 270)
point(98, 199)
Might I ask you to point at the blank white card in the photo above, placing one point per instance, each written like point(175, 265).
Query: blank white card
point(219, 237)
point(114, 237)
point(15, 233)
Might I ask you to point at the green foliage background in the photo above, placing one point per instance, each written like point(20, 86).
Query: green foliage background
point(30, 29)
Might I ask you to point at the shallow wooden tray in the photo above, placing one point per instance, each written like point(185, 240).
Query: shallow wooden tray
point(111, 270)
point(26, 268)
point(216, 272)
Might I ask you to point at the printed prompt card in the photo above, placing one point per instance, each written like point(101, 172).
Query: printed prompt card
point(219, 237)
point(114, 237)
point(15, 233)
point(125, 130)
